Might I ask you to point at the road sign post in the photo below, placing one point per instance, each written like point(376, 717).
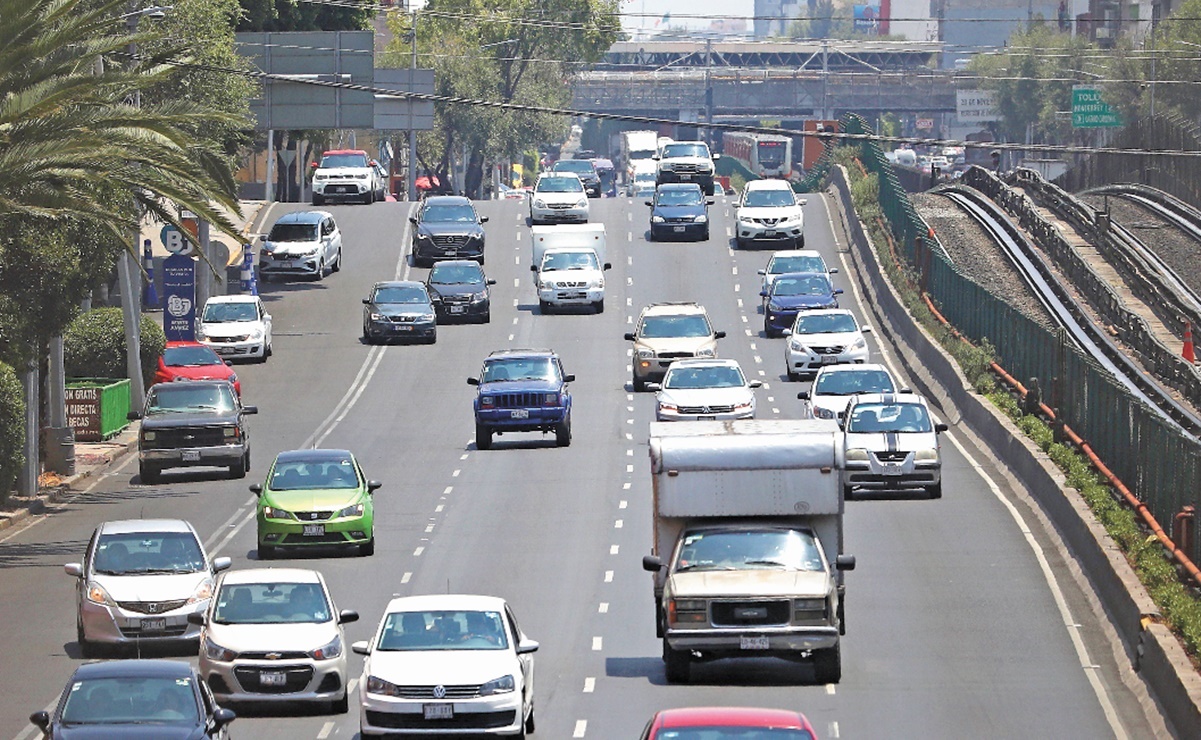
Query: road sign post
point(179, 298)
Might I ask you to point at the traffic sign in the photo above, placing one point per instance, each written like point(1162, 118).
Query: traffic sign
point(174, 240)
point(1090, 111)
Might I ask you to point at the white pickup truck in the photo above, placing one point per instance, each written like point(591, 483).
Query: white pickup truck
point(568, 262)
point(747, 558)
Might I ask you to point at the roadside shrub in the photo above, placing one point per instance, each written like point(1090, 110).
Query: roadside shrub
point(12, 429)
point(94, 345)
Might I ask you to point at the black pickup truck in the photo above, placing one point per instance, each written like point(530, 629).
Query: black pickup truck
point(193, 423)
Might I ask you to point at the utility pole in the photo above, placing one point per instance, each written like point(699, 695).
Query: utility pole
point(412, 174)
point(825, 116)
point(709, 91)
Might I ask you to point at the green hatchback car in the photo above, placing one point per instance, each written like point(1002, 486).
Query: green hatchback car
point(315, 498)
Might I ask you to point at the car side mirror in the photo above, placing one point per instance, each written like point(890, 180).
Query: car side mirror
point(366, 301)
point(73, 569)
point(652, 563)
point(230, 363)
point(786, 333)
point(196, 618)
point(845, 562)
point(134, 415)
point(763, 294)
point(533, 268)
point(905, 390)
point(832, 271)
point(940, 428)
point(803, 395)
point(346, 616)
point(761, 272)
point(710, 202)
point(527, 646)
point(262, 237)
point(802, 201)
point(483, 219)
point(473, 381)
point(413, 220)
point(755, 384)
point(838, 291)
point(362, 647)
point(373, 486)
point(719, 335)
point(716, 157)
point(256, 489)
point(490, 281)
point(569, 378)
point(865, 329)
point(649, 202)
point(607, 266)
point(313, 165)
point(223, 716)
point(41, 718)
point(222, 563)
point(654, 386)
point(250, 409)
point(629, 336)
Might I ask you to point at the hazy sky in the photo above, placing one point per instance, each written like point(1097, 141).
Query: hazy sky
point(646, 14)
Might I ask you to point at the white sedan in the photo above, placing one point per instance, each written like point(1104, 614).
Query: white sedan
point(236, 327)
point(704, 390)
point(834, 385)
point(828, 336)
point(447, 663)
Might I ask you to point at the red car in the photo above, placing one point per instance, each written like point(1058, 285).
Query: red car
point(194, 361)
point(713, 723)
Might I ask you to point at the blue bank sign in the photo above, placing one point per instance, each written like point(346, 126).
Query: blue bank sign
point(179, 298)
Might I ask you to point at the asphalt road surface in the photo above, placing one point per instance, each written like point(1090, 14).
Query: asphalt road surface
point(962, 620)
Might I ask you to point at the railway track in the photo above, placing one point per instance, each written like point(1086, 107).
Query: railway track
point(1079, 329)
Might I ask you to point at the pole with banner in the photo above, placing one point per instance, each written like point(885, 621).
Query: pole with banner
point(179, 287)
point(150, 297)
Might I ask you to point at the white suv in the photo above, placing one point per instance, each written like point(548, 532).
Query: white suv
point(345, 174)
point(891, 443)
point(668, 332)
point(769, 212)
point(686, 161)
point(558, 197)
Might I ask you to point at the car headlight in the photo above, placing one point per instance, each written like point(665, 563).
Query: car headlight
point(477, 297)
point(331, 649)
point(423, 237)
point(657, 219)
point(320, 177)
point(773, 306)
point(927, 455)
point(701, 219)
point(375, 316)
point(743, 406)
point(233, 377)
point(582, 204)
point(857, 454)
point(149, 436)
point(823, 413)
point(668, 406)
point(502, 685)
point(486, 401)
point(746, 221)
point(203, 592)
point(352, 510)
point(706, 352)
point(545, 285)
point(796, 345)
point(213, 651)
point(860, 343)
point(377, 685)
point(200, 331)
point(645, 354)
point(98, 595)
point(361, 177)
point(270, 512)
point(539, 203)
point(599, 284)
point(256, 334)
point(426, 317)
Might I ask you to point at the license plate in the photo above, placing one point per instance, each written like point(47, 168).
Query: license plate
point(706, 418)
point(314, 530)
point(754, 643)
point(829, 359)
point(190, 455)
point(769, 233)
point(892, 470)
point(438, 711)
point(272, 678)
point(404, 327)
point(519, 414)
point(153, 625)
point(678, 229)
point(685, 176)
point(457, 309)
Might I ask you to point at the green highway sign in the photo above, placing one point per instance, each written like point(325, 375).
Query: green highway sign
point(1090, 111)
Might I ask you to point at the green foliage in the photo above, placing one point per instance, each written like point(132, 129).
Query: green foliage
point(12, 429)
point(94, 345)
point(1176, 37)
point(297, 15)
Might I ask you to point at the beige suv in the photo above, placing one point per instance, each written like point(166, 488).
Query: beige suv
point(668, 332)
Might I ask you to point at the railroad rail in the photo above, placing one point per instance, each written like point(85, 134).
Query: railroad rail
point(1180, 214)
point(1083, 333)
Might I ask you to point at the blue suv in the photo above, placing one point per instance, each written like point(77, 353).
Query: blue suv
point(522, 390)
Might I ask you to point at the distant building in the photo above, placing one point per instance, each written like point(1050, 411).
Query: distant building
point(773, 17)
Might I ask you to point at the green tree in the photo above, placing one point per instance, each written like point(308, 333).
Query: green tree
point(297, 15)
point(508, 51)
point(1178, 39)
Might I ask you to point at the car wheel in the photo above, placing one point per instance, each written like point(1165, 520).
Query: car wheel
point(739, 243)
point(827, 665)
point(935, 491)
point(337, 267)
point(767, 330)
point(367, 335)
point(678, 664)
point(800, 241)
point(543, 307)
point(529, 722)
point(639, 385)
point(599, 306)
point(487, 317)
point(793, 377)
point(238, 469)
point(650, 235)
point(267, 552)
point(705, 236)
point(320, 271)
point(369, 197)
point(318, 200)
point(433, 338)
point(848, 493)
point(87, 648)
point(563, 433)
point(148, 473)
point(367, 549)
point(483, 437)
point(340, 706)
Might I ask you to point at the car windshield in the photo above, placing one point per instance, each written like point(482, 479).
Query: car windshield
point(463, 214)
point(521, 368)
point(713, 376)
point(190, 356)
point(807, 263)
point(680, 197)
point(134, 700)
point(343, 160)
point(400, 294)
point(308, 475)
point(769, 198)
point(724, 732)
point(271, 603)
point(293, 233)
point(891, 417)
point(176, 397)
point(787, 549)
point(569, 261)
point(830, 323)
point(560, 185)
point(847, 382)
point(811, 285)
point(449, 274)
point(443, 630)
point(147, 552)
point(215, 313)
point(689, 325)
point(578, 166)
point(685, 150)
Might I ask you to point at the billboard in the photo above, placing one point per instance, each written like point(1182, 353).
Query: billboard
point(867, 19)
point(1089, 110)
point(976, 106)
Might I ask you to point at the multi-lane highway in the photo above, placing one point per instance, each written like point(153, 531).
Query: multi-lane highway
point(963, 618)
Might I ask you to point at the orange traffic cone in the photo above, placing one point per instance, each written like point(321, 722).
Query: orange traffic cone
point(1188, 343)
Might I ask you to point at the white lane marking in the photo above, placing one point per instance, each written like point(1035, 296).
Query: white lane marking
point(740, 303)
point(326, 729)
point(516, 303)
point(233, 532)
point(516, 282)
point(614, 549)
point(456, 473)
point(448, 489)
point(514, 318)
point(758, 360)
point(629, 281)
point(761, 372)
point(625, 486)
point(429, 528)
point(603, 607)
point(735, 269)
point(765, 386)
point(608, 576)
point(623, 503)
point(629, 468)
point(775, 410)
point(618, 524)
point(629, 236)
point(208, 544)
point(463, 456)
point(438, 509)
point(771, 399)
point(589, 685)
point(418, 551)
point(405, 578)
point(737, 288)
point(629, 453)
point(511, 337)
point(830, 689)
point(598, 643)
point(629, 260)
point(517, 259)
point(630, 302)
point(748, 331)
point(832, 730)
point(754, 347)
point(581, 727)
point(629, 436)
point(629, 396)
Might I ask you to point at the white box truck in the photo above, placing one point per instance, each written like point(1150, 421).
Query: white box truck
point(635, 146)
point(568, 262)
point(747, 557)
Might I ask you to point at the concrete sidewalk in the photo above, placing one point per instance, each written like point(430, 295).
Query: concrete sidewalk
point(245, 223)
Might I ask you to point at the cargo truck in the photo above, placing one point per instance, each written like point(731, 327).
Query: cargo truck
point(568, 263)
point(747, 556)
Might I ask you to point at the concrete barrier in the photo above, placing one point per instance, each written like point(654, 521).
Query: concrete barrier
point(1151, 648)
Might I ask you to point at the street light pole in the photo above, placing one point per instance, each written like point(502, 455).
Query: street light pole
point(412, 174)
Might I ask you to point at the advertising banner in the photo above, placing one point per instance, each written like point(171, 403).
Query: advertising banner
point(976, 106)
point(179, 298)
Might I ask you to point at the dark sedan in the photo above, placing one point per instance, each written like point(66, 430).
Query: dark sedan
point(399, 309)
point(679, 211)
point(446, 228)
point(135, 700)
point(459, 290)
point(586, 172)
point(792, 293)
